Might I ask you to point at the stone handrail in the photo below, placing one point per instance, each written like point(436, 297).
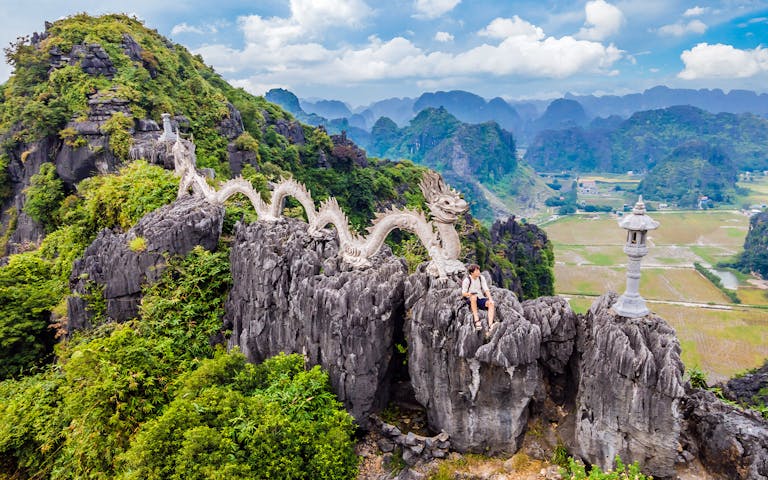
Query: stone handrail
point(439, 236)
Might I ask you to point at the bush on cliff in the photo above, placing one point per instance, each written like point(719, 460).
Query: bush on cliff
point(120, 393)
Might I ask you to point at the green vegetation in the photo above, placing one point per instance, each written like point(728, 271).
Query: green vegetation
point(138, 244)
point(693, 171)
point(118, 127)
point(577, 471)
point(34, 282)
point(754, 258)
point(140, 400)
point(44, 195)
point(28, 292)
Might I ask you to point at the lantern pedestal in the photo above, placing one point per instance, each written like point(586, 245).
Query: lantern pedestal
point(637, 224)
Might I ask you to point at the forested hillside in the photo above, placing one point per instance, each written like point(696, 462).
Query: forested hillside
point(647, 137)
point(693, 176)
point(78, 121)
point(754, 258)
point(480, 159)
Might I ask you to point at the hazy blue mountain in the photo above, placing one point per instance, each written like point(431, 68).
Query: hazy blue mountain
point(562, 113)
point(714, 101)
point(327, 108)
point(471, 108)
point(400, 110)
point(290, 102)
point(286, 99)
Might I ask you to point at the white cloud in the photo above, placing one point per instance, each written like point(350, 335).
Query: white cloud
point(324, 13)
point(722, 61)
point(309, 18)
point(511, 27)
point(280, 51)
point(695, 11)
point(434, 8)
point(187, 28)
point(681, 28)
point(602, 20)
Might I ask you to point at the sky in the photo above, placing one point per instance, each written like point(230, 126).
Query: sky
point(360, 51)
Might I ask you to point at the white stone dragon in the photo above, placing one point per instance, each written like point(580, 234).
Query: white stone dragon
point(440, 239)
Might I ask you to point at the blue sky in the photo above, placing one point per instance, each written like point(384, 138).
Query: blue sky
point(360, 51)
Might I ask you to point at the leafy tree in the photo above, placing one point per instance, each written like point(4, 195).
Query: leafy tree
point(231, 418)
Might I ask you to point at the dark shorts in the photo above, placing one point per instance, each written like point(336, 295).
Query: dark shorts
point(481, 303)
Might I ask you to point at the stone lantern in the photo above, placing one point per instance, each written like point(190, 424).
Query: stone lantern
point(168, 135)
point(637, 224)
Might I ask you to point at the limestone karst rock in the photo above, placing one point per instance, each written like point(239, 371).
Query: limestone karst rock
point(728, 441)
point(292, 293)
point(629, 390)
point(480, 390)
point(109, 262)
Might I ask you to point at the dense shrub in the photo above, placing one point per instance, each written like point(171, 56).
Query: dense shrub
point(44, 195)
point(231, 419)
point(28, 291)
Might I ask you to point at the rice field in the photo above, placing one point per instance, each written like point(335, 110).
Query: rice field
point(716, 336)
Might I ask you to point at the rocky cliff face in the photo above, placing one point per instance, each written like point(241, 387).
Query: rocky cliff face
point(729, 442)
point(605, 385)
point(291, 293)
point(629, 390)
point(109, 264)
point(479, 389)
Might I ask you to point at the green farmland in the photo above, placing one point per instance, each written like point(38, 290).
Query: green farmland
point(717, 336)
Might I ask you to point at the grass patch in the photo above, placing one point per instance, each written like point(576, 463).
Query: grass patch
point(580, 304)
point(753, 296)
point(138, 244)
point(714, 255)
point(720, 342)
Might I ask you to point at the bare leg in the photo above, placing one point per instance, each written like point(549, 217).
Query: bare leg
point(491, 314)
point(475, 315)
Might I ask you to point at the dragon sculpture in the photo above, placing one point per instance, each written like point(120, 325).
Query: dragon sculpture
point(441, 239)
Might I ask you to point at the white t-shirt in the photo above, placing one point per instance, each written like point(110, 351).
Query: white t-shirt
point(475, 285)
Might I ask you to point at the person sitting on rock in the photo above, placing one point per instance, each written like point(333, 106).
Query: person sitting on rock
point(476, 293)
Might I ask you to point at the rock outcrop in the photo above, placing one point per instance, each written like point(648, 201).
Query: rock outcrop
point(291, 292)
point(729, 442)
point(480, 390)
point(24, 162)
point(749, 388)
point(109, 263)
point(629, 390)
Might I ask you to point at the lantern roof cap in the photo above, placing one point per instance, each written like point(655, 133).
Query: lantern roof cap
point(638, 220)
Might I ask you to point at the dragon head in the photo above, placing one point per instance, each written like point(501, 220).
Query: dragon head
point(444, 203)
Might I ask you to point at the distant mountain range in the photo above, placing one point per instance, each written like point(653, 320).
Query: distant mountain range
point(525, 119)
point(647, 137)
point(692, 138)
